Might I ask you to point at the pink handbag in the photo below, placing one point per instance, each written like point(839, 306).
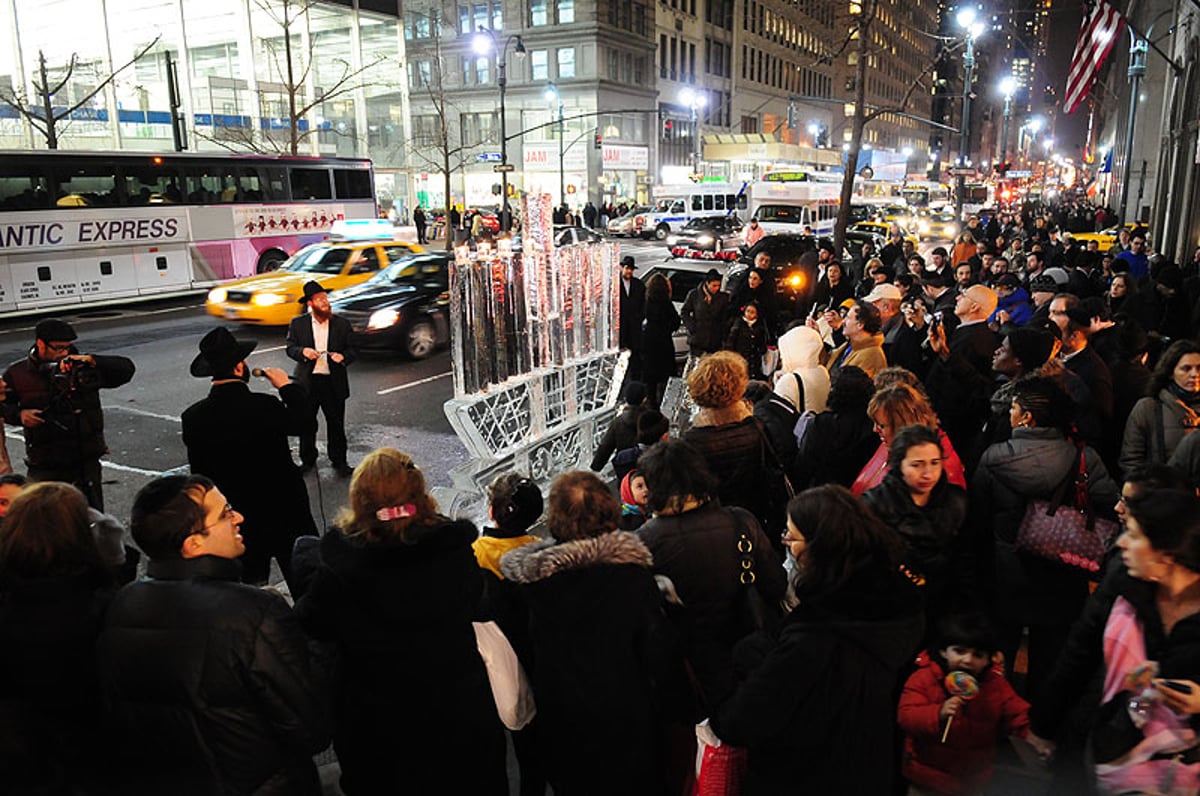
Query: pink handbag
point(1069, 534)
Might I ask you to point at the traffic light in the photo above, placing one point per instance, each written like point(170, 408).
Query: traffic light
point(668, 126)
point(599, 141)
point(791, 117)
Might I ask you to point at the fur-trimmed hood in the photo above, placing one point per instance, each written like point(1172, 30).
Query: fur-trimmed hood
point(535, 562)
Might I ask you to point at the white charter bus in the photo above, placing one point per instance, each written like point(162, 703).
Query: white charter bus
point(85, 227)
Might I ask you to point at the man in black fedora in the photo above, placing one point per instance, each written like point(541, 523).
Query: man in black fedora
point(320, 343)
point(239, 439)
point(632, 312)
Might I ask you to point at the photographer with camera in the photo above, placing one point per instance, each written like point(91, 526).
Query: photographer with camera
point(54, 394)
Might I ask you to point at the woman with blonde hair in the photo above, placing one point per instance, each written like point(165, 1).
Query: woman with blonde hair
point(396, 592)
point(892, 408)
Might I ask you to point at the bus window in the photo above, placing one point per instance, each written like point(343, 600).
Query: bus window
point(676, 206)
point(310, 184)
point(208, 186)
point(352, 184)
point(697, 203)
point(719, 202)
point(150, 185)
point(23, 187)
point(86, 185)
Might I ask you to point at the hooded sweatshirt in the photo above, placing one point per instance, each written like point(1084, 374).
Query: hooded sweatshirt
point(800, 353)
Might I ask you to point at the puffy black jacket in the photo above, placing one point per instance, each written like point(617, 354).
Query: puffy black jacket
point(737, 455)
point(210, 684)
point(706, 318)
point(698, 551)
point(74, 427)
point(932, 533)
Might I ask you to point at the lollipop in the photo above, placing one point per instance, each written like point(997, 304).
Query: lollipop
point(960, 684)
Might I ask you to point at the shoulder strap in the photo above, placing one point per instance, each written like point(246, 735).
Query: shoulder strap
point(1159, 432)
point(802, 401)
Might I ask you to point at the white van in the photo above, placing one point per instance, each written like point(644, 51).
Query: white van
point(675, 205)
point(789, 207)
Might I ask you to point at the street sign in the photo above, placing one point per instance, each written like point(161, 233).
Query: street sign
point(962, 171)
point(503, 167)
point(1016, 175)
point(488, 157)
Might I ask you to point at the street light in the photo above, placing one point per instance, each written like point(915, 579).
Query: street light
point(814, 130)
point(695, 101)
point(553, 96)
point(486, 42)
point(973, 29)
point(1008, 87)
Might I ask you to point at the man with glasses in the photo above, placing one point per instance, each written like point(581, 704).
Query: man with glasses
point(239, 439)
point(54, 395)
point(209, 681)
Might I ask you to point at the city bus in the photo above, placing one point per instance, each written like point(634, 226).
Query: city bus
point(976, 196)
point(789, 207)
point(927, 195)
point(86, 227)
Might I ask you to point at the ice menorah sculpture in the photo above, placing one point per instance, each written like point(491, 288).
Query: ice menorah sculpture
point(537, 368)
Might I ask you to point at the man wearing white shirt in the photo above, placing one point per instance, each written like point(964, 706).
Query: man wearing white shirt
point(321, 344)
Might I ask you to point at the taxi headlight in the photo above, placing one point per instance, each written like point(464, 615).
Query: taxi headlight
point(267, 299)
point(217, 295)
point(704, 240)
point(383, 319)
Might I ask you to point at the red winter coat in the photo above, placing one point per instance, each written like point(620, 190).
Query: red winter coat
point(963, 764)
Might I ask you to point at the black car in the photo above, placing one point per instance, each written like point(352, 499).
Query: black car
point(710, 237)
point(404, 308)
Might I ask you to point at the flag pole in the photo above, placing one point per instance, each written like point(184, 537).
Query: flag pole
point(1176, 68)
point(1137, 69)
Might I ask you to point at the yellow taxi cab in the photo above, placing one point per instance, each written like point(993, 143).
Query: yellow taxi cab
point(884, 229)
point(272, 299)
point(1106, 238)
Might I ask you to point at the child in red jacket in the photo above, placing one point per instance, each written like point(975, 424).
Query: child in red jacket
point(963, 763)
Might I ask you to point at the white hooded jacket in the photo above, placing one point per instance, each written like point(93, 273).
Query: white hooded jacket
point(800, 352)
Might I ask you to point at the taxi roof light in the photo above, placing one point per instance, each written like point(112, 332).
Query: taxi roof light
point(350, 229)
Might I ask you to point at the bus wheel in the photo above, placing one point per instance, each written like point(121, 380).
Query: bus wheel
point(270, 260)
point(661, 232)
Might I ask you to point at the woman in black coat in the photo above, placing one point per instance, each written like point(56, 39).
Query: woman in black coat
point(53, 594)
point(594, 619)
point(1029, 592)
point(841, 440)
point(928, 512)
point(817, 711)
point(658, 343)
point(396, 592)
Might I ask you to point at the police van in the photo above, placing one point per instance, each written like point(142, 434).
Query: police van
point(676, 205)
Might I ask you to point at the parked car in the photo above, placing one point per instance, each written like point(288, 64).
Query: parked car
point(622, 226)
point(712, 237)
point(405, 308)
point(567, 235)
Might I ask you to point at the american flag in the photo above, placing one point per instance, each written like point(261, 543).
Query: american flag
point(1097, 34)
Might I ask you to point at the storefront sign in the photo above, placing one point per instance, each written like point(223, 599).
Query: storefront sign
point(544, 157)
point(636, 158)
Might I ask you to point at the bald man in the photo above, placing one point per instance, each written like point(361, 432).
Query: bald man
point(960, 381)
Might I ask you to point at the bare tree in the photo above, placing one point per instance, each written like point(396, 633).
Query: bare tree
point(291, 69)
point(859, 37)
point(39, 110)
point(451, 147)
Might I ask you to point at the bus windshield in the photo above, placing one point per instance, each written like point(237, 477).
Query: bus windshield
point(319, 260)
point(780, 214)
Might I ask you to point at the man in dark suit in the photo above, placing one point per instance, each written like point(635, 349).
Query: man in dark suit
point(239, 439)
point(320, 343)
point(960, 381)
point(633, 312)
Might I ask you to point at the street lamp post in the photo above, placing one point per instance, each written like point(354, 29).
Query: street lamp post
point(695, 101)
point(552, 95)
point(1008, 87)
point(974, 29)
point(485, 42)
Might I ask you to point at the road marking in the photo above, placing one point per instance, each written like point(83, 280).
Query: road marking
point(144, 413)
point(13, 433)
point(267, 350)
point(414, 383)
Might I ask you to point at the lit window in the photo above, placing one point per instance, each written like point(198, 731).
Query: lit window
point(566, 62)
point(540, 65)
point(537, 12)
point(482, 67)
point(566, 11)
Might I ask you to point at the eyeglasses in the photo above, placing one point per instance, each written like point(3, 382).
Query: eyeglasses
point(226, 514)
point(58, 346)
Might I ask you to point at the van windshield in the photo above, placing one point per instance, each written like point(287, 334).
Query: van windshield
point(779, 214)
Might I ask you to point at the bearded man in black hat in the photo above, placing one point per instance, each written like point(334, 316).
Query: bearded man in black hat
point(54, 395)
point(320, 342)
point(239, 439)
point(632, 313)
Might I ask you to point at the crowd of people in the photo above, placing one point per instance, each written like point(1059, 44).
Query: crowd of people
point(835, 566)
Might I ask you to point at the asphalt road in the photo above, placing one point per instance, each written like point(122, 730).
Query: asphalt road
point(394, 402)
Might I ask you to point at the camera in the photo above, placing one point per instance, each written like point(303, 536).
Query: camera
point(70, 375)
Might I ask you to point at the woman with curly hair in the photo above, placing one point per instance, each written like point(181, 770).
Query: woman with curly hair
point(732, 441)
point(396, 592)
point(593, 611)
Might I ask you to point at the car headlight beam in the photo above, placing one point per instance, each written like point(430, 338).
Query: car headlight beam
point(267, 299)
point(217, 295)
point(383, 319)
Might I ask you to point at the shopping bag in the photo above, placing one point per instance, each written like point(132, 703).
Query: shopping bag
point(510, 686)
point(720, 768)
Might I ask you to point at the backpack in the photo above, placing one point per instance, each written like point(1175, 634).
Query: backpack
point(805, 418)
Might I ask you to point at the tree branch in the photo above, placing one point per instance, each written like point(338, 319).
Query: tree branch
point(108, 79)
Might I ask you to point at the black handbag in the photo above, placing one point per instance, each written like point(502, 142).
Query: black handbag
point(753, 612)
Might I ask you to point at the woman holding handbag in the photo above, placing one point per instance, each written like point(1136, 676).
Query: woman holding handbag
point(1027, 591)
point(1142, 736)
